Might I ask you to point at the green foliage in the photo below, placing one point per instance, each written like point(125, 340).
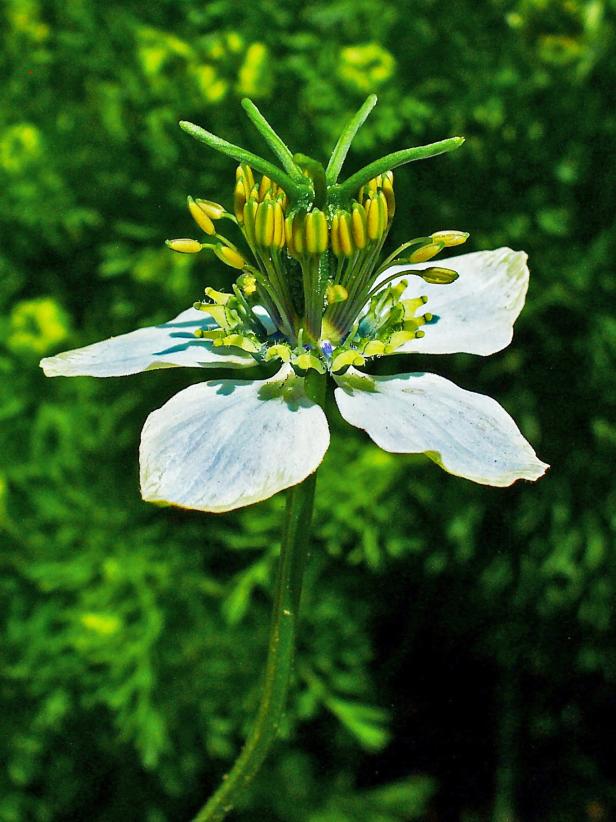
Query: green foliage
point(449, 630)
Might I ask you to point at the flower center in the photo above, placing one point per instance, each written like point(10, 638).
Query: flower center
point(310, 254)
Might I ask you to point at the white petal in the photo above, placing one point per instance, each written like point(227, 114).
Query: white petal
point(161, 346)
point(467, 434)
point(223, 444)
point(475, 314)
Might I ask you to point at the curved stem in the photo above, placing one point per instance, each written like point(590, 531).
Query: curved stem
point(295, 538)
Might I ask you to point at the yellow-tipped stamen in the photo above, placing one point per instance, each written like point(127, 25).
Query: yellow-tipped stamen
point(200, 217)
point(213, 210)
point(239, 200)
point(335, 234)
point(249, 218)
point(230, 256)
point(438, 276)
point(345, 234)
point(336, 294)
point(388, 192)
point(288, 231)
point(184, 245)
point(265, 187)
point(359, 227)
point(264, 224)
point(426, 252)
point(450, 238)
point(316, 232)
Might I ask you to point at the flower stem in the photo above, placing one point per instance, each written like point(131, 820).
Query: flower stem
point(295, 539)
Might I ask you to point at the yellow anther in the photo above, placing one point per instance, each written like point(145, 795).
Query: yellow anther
point(438, 276)
point(244, 172)
point(288, 226)
point(425, 252)
point(238, 341)
point(335, 234)
point(200, 217)
point(248, 284)
point(374, 348)
point(398, 338)
point(184, 246)
point(249, 217)
point(346, 358)
point(345, 234)
point(358, 226)
point(219, 297)
point(265, 187)
point(306, 361)
point(264, 225)
point(239, 200)
point(230, 256)
point(298, 234)
point(410, 306)
point(316, 232)
point(278, 239)
point(388, 192)
point(374, 218)
point(450, 238)
point(213, 210)
point(280, 351)
point(336, 294)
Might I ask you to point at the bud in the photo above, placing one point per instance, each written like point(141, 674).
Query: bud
point(438, 276)
point(184, 246)
point(450, 238)
point(200, 217)
point(213, 210)
point(230, 256)
point(425, 252)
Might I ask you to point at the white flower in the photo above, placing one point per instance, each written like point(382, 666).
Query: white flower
point(222, 444)
point(318, 298)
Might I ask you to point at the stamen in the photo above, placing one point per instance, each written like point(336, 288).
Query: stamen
point(184, 246)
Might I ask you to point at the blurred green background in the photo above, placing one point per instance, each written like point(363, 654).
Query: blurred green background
point(457, 657)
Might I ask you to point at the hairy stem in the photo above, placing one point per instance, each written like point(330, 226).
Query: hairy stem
point(295, 538)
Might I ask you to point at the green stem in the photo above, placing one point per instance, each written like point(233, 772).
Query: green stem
point(295, 538)
point(293, 189)
point(343, 191)
point(277, 145)
point(346, 138)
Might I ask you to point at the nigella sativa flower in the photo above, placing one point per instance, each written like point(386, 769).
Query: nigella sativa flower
point(315, 293)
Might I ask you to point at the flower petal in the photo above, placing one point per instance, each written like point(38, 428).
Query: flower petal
point(161, 346)
point(467, 434)
point(223, 444)
point(475, 314)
